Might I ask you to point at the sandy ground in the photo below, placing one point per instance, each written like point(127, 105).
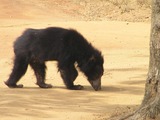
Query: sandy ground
point(125, 47)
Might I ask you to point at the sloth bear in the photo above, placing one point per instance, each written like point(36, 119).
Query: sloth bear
point(67, 46)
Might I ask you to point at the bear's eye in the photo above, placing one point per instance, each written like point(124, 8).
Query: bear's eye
point(99, 70)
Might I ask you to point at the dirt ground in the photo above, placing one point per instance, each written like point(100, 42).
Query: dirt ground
point(124, 45)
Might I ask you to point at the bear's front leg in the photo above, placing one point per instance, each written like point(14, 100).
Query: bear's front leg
point(69, 74)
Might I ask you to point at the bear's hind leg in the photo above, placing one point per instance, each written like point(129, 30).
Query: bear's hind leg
point(19, 69)
point(39, 70)
point(69, 74)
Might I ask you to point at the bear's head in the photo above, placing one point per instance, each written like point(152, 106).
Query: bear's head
point(93, 70)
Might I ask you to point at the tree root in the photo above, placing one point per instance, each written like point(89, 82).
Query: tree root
point(147, 111)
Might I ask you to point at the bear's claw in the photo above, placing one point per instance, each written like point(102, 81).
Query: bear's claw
point(77, 87)
point(14, 85)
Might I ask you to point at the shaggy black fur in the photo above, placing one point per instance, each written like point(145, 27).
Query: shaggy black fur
point(67, 46)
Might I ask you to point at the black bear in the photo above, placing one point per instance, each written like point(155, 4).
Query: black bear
point(66, 46)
